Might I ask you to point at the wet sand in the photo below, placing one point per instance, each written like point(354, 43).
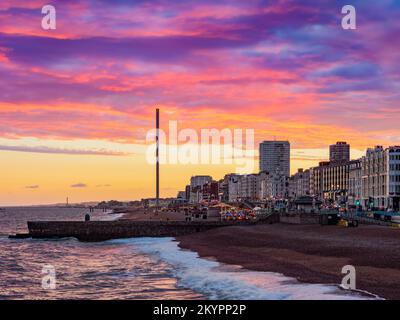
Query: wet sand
point(309, 253)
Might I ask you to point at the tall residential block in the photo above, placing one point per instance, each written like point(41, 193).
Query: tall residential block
point(339, 152)
point(275, 157)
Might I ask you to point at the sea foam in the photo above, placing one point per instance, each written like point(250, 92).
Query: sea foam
point(225, 282)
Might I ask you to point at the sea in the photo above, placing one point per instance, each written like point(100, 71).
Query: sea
point(124, 269)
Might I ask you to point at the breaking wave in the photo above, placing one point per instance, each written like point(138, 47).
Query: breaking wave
point(225, 282)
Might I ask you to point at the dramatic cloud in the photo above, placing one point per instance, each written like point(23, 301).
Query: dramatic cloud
point(60, 151)
point(285, 68)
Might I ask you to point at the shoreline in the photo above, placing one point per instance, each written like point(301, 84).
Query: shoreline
point(215, 280)
point(308, 253)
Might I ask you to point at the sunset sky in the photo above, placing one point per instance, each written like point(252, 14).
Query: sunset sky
point(76, 102)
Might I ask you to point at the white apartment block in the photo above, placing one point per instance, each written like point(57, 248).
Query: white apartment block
point(275, 157)
point(248, 187)
point(355, 185)
point(196, 184)
point(299, 184)
point(274, 187)
point(380, 174)
point(233, 187)
point(199, 181)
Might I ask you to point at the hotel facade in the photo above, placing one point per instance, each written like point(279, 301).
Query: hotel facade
point(330, 180)
point(380, 174)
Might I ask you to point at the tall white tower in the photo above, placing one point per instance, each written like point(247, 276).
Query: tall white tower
point(275, 157)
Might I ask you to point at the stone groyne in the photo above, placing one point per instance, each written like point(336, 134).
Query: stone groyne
point(106, 230)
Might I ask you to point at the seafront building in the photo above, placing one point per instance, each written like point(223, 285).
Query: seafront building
point(196, 187)
point(210, 192)
point(355, 188)
point(233, 187)
point(370, 182)
point(197, 181)
point(380, 173)
point(202, 188)
point(228, 190)
point(245, 187)
point(274, 164)
point(274, 187)
point(331, 181)
point(248, 187)
point(337, 180)
point(275, 157)
point(299, 184)
point(339, 152)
